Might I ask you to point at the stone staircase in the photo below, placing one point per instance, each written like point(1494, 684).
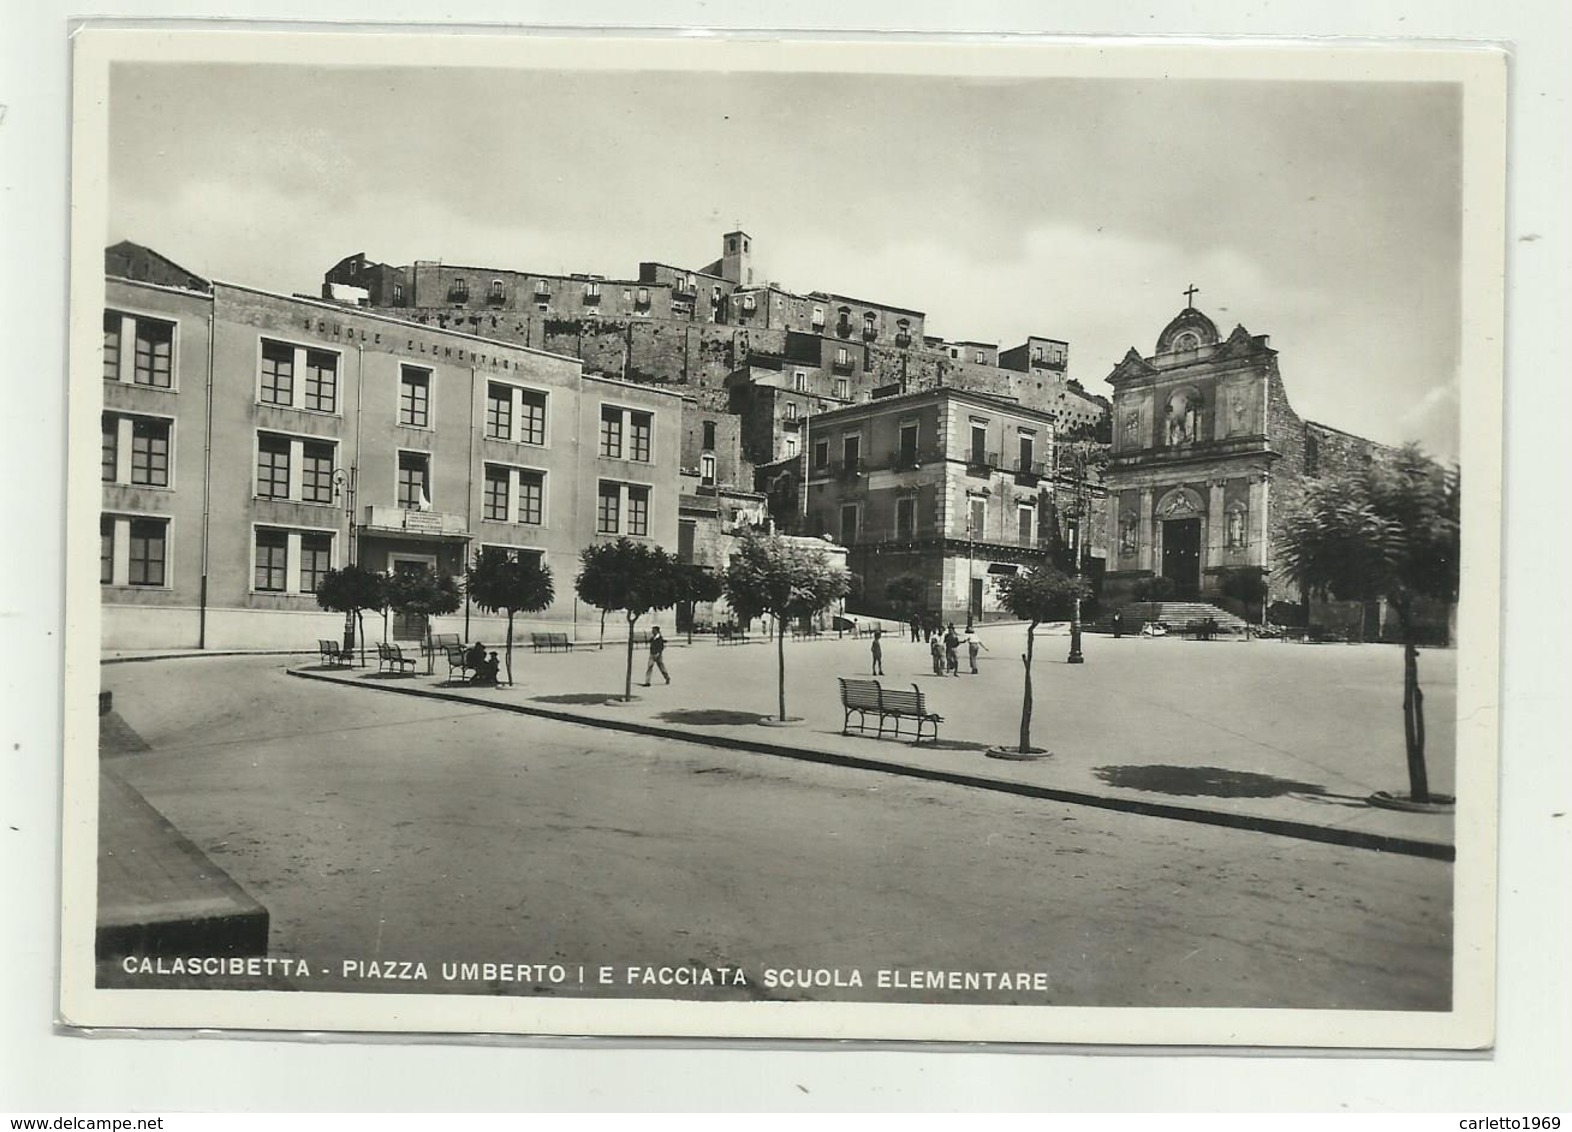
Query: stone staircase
point(1178, 614)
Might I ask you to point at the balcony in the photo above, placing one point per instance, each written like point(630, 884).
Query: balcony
point(846, 469)
point(869, 332)
point(382, 519)
point(592, 298)
point(981, 462)
point(496, 298)
point(842, 365)
point(458, 294)
point(1029, 472)
point(542, 294)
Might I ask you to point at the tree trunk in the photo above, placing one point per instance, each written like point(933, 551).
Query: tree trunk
point(508, 648)
point(1413, 716)
point(349, 630)
point(780, 668)
point(1026, 695)
point(602, 643)
point(360, 624)
point(627, 683)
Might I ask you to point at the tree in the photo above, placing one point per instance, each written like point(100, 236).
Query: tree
point(695, 583)
point(1388, 530)
point(630, 576)
point(1035, 596)
point(351, 591)
point(906, 595)
point(422, 593)
point(501, 582)
point(787, 579)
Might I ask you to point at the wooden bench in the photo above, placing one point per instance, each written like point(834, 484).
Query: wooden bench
point(458, 661)
point(551, 642)
point(391, 658)
point(333, 654)
point(889, 705)
point(730, 635)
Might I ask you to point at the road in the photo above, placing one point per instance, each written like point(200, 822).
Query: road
point(380, 828)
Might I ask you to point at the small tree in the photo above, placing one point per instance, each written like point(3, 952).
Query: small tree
point(630, 576)
point(351, 591)
point(1389, 530)
point(905, 595)
point(501, 582)
point(770, 575)
point(695, 584)
point(423, 593)
point(1035, 596)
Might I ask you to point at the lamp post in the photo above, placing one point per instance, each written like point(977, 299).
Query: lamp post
point(344, 488)
point(971, 566)
point(1076, 656)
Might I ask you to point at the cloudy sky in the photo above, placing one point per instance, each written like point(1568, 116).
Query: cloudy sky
point(1324, 215)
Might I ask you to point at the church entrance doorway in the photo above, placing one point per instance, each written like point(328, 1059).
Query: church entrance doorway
point(1182, 556)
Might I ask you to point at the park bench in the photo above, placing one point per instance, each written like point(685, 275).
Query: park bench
point(458, 662)
point(1294, 633)
point(391, 658)
point(729, 634)
point(1201, 629)
point(641, 638)
point(333, 654)
point(551, 642)
point(889, 705)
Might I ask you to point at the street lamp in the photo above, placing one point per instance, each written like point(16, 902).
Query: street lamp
point(344, 488)
point(971, 567)
point(1075, 656)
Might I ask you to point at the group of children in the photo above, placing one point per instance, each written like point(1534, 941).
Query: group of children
point(945, 648)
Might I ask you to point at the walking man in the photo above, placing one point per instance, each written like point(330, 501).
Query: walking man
point(1118, 624)
point(878, 653)
point(936, 648)
point(952, 658)
point(972, 646)
point(657, 657)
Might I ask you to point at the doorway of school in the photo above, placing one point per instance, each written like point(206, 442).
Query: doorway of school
point(1182, 556)
point(410, 626)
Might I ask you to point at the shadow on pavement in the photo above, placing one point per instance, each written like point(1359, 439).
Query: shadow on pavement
point(576, 698)
point(710, 717)
point(1210, 781)
point(953, 745)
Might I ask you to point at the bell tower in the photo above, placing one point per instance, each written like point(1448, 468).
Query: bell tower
point(737, 258)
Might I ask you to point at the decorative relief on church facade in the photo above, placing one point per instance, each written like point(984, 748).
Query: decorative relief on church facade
point(1128, 524)
point(1180, 503)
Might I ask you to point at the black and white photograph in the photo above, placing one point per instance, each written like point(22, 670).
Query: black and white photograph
point(790, 539)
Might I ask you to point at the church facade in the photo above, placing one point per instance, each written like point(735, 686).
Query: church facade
point(1208, 458)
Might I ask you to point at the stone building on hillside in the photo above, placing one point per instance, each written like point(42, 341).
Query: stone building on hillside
point(1208, 458)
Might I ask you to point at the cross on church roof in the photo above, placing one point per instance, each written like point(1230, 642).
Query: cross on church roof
point(1190, 295)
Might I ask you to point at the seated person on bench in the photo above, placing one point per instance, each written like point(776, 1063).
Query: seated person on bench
point(485, 670)
point(474, 656)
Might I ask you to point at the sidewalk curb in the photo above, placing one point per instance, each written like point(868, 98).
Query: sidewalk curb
point(1304, 831)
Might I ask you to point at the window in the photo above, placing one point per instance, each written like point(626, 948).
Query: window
point(799, 381)
point(532, 497)
point(979, 455)
point(905, 517)
point(791, 410)
point(851, 451)
point(414, 482)
point(641, 426)
point(499, 412)
point(321, 381)
point(976, 513)
point(278, 373)
point(112, 320)
point(592, 292)
point(542, 289)
point(272, 561)
point(707, 468)
point(273, 467)
point(106, 549)
point(532, 417)
point(848, 524)
point(316, 473)
point(316, 559)
point(154, 345)
point(109, 462)
point(842, 358)
point(1028, 453)
point(147, 552)
point(979, 357)
point(150, 453)
point(840, 388)
point(818, 318)
point(398, 294)
point(709, 434)
point(1025, 522)
point(638, 511)
point(1037, 353)
point(459, 290)
point(749, 302)
point(414, 397)
point(495, 505)
point(608, 508)
point(821, 453)
point(611, 433)
point(496, 290)
point(791, 445)
point(908, 453)
point(643, 297)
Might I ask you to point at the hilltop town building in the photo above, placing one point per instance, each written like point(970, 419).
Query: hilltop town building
point(253, 441)
point(953, 486)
